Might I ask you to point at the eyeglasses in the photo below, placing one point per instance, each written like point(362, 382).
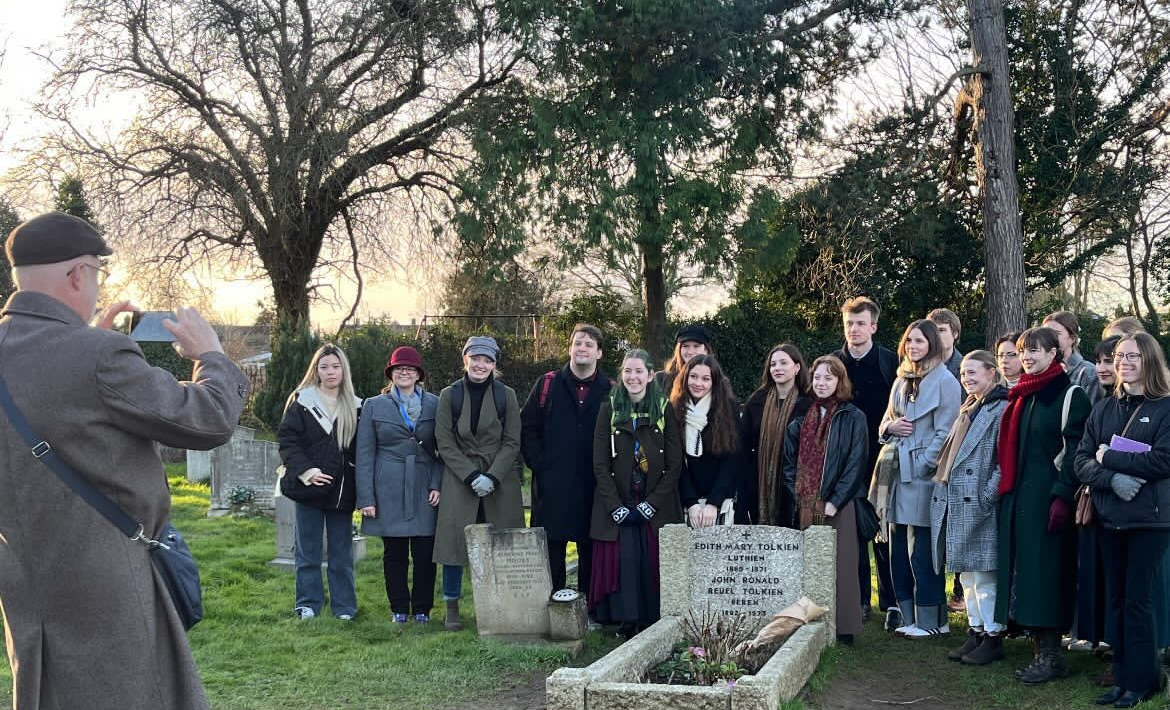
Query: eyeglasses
point(102, 272)
point(1130, 357)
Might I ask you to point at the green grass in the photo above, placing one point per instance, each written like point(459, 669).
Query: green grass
point(253, 654)
point(893, 670)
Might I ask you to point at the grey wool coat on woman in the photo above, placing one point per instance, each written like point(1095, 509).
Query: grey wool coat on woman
point(932, 412)
point(962, 514)
point(396, 469)
point(493, 449)
point(88, 620)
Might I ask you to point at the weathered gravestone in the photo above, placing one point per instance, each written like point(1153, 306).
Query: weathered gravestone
point(243, 462)
point(511, 579)
point(199, 463)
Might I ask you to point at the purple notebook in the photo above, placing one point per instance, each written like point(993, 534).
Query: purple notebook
point(1129, 446)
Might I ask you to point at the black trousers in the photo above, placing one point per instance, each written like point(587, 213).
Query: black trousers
point(885, 584)
point(1132, 562)
point(556, 564)
point(419, 598)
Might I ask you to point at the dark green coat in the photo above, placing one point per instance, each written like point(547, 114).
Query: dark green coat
point(1038, 569)
point(493, 449)
point(613, 466)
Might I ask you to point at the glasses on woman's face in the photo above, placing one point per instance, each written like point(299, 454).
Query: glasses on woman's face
point(1128, 357)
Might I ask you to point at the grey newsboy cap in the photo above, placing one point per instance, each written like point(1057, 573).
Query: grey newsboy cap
point(482, 345)
point(53, 237)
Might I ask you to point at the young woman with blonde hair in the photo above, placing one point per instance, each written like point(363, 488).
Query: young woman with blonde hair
point(316, 438)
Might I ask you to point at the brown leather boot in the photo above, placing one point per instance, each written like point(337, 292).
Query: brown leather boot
point(972, 642)
point(453, 622)
point(990, 649)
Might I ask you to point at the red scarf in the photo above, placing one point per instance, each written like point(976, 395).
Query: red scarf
point(810, 462)
point(1009, 428)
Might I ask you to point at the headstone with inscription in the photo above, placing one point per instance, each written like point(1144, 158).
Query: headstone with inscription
point(756, 570)
point(244, 462)
point(511, 579)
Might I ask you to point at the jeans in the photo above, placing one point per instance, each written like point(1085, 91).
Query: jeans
point(395, 561)
point(1131, 559)
point(912, 567)
point(338, 528)
point(979, 596)
point(452, 582)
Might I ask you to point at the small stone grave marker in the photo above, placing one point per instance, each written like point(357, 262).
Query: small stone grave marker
point(511, 579)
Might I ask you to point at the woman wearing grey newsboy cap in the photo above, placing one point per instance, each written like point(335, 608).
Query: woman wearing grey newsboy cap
point(478, 435)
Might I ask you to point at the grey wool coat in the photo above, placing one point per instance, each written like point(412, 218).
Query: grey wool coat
point(932, 412)
point(396, 470)
point(493, 449)
point(962, 513)
point(88, 621)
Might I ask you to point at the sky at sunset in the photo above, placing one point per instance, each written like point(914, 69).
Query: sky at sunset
point(31, 28)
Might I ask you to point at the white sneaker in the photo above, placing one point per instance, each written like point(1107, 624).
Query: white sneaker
point(304, 612)
point(917, 633)
point(1081, 645)
point(903, 630)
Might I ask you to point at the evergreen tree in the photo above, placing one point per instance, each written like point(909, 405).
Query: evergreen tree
point(642, 117)
point(8, 221)
point(71, 200)
point(292, 349)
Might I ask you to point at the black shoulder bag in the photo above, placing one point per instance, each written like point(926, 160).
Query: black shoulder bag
point(169, 553)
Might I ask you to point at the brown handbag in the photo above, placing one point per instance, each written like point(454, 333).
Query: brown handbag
point(1084, 514)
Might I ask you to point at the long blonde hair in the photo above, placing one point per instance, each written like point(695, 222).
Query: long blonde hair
point(345, 423)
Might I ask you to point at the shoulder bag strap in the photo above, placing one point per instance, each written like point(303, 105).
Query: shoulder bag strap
point(45, 453)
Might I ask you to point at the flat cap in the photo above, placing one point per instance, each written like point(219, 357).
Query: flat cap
point(53, 237)
point(482, 345)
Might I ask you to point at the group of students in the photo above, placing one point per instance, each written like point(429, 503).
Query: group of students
point(973, 465)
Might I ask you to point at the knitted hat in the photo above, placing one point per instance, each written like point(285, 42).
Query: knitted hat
point(406, 356)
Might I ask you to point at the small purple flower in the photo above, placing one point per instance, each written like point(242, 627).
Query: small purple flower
point(730, 682)
point(698, 651)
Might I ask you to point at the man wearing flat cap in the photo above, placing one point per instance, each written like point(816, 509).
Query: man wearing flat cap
point(89, 622)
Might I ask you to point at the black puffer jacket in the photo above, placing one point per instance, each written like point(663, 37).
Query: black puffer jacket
point(846, 454)
point(1150, 508)
point(305, 445)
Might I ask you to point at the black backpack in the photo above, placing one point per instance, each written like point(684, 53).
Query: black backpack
point(457, 395)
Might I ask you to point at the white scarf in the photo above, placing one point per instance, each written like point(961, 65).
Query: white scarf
point(696, 421)
point(325, 414)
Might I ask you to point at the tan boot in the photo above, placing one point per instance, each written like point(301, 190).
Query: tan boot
point(453, 622)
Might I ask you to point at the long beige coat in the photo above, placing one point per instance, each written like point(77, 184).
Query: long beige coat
point(493, 449)
point(88, 621)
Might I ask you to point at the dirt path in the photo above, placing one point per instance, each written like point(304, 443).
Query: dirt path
point(880, 690)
